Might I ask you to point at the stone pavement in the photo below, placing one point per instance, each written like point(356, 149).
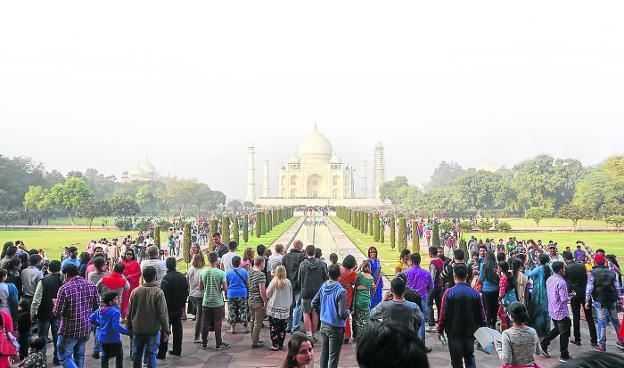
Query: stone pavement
point(241, 354)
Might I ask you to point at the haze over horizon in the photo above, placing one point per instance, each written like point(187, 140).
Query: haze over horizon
point(190, 86)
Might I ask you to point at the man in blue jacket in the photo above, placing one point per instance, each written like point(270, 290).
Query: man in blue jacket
point(332, 300)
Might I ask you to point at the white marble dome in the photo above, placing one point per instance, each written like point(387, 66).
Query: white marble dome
point(147, 168)
point(294, 160)
point(315, 147)
point(335, 159)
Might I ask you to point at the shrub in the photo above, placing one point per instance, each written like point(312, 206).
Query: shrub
point(446, 226)
point(484, 225)
point(466, 226)
point(123, 224)
point(503, 227)
point(164, 224)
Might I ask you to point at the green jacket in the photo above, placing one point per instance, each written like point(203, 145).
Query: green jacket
point(147, 312)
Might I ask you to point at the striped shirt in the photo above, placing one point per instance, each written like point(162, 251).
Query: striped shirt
point(212, 279)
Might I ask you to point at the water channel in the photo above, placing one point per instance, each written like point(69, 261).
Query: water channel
point(314, 231)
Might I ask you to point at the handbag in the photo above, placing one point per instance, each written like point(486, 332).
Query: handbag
point(8, 343)
point(478, 285)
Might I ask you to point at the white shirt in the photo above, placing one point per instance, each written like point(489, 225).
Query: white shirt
point(159, 264)
point(226, 260)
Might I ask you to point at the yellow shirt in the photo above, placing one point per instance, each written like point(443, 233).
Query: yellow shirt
point(402, 265)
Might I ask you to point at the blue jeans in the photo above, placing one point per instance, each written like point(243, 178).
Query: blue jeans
point(71, 351)
point(145, 344)
point(43, 327)
point(421, 330)
point(297, 312)
point(604, 313)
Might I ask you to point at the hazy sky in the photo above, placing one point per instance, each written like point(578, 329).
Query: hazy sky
point(191, 84)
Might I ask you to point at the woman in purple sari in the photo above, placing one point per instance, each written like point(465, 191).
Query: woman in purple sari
point(376, 273)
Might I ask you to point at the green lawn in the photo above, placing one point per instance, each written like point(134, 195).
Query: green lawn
point(78, 221)
point(553, 222)
point(612, 242)
point(53, 241)
point(388, 256)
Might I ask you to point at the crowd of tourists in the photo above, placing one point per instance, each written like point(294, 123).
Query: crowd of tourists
point(109, 289)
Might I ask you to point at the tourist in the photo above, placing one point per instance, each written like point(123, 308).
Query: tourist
point(24, 327)
point(390, 345)
point(238, 307)
point(311, 275)
point(220, 248)
point(248, 258)
point(558, 300)
point(331, 300)
point(107, 319)
point(196, 295)
point(506, 292)
point(291, 262)
point(347, 280)
point(43, 301)
point(30, 277)
point(9, 295)
point(147, 318)
point(377, 275)
point(212, 282)
point(403, 263)
point(13, 268)
point(579, 254)
point(279, 295)
point(263, 252)
point(576, 276)
point(333, 259)
point(395, 309)
point(539, 318)
point(419, 280)
point(490, 281)
point(37, 356)
point(436, 266)
point(75, 300)
point(7, 326)
point(226, 260)
point(85, 260)
point(604, 289)
point(154, 260)
point(460, 316)
point(132, 273)
point(361, 298)
point(275, 259)
point(300, 352)
point(8, 253)
point(95, 276)
point(114, 283)
point(257, 300)
point(447, 273)
point(522, 281)
point(520, 343)
point(176, 290)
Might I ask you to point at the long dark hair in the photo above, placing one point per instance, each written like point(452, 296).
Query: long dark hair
point(296, 339)
point(543, 260)
point(511, 278)
point(489, 268)
point(518, 312)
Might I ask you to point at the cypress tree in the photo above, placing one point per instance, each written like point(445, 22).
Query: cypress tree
point(157, 236)
point(235, 230)
point(435, 236)
point(402, 239)
point(370, 224)
point(225, 229)
point(264, 223)
point(258, 224)
point(186, 244)
point(376, 226)
point(246, 228)
point(382, 232)
point(214, 223)
point(392, 232)
point(415, 239)
point(270, 222)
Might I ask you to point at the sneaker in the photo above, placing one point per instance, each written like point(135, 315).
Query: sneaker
point(565, 359)
point(620, 345)
point(259, 344)
point(427, 349)
point(600, 348)
point(225, 346)
point(197, 341)
point(575, 342)
point(545, 352)
point(204, 347)
point(431, 329)
point(171, 352)
point(95, 355)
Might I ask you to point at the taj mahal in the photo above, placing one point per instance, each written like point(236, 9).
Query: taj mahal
point(316, 176)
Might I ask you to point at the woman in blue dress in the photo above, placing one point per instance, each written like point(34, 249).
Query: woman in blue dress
point(538, 304)
point(376, 273)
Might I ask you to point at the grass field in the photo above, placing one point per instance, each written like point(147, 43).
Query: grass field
point(611, 242)
point(53, 241)
point(554, 222)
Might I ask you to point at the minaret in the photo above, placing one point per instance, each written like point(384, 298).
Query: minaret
point(251, 175)
point(365, 178)
point(265, 183)
point(380, 170)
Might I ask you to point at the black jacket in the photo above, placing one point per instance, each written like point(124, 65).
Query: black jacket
point(604, 285)
point(291, 262)
point(50, 284)
point(576, 276)
point(176, 289)
point(461, 313)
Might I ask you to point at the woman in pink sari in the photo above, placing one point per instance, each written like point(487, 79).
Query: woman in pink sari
point(133, 273)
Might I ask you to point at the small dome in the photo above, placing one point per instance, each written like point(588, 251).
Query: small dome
point(335, 159)
point(315, 146)
point(294, 160)
point(147, 168)
point(487, 166)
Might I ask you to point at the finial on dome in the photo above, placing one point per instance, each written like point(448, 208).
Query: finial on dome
point(315, 128)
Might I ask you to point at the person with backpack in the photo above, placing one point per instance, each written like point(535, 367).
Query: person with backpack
point(311, 275)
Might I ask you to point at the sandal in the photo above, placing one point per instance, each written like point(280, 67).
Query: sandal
point(274, 348)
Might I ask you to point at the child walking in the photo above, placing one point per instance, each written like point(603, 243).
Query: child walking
point(107, 319)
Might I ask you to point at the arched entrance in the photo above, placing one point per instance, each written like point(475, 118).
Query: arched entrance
point(314, 185)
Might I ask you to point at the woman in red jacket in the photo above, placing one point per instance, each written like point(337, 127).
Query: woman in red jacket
point(133, 274)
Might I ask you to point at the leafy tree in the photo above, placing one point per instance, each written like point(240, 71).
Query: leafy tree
point(446, 175)
point(246, 228)
point(102, 186)
point(446, 226)
point(124, 206)
point(402, 235)
point(91, 209)
point(186, 244)
point(235, 204)
point(70, 195)
point(537, 214)
point(484, 225)
point(235, 230)
point(574, 212)
point(225, 229)
point(37, 203)
point(614, 166)
point(590, 191)
point(503, 227)
point(610, 209)
point(616, 220)
point(9, 216)
point(485, 190)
